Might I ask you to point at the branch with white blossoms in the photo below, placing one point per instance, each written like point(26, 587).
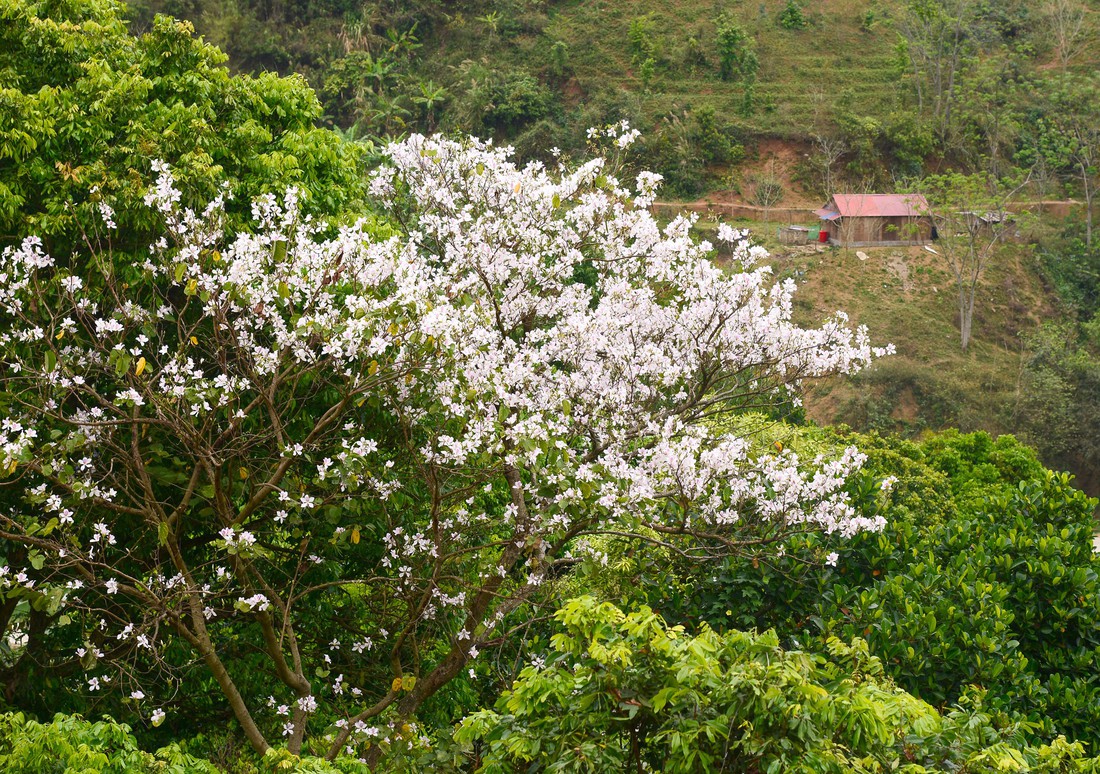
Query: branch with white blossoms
point(396, 430)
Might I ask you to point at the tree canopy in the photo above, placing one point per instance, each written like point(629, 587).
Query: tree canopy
point(369, 451)
point(85, 106)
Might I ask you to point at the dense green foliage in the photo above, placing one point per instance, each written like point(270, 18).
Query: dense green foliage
point(1002, 593)
point(85, 107)
point(624, 692)
point(985, 575)
point(74, 745)
point(70, 744)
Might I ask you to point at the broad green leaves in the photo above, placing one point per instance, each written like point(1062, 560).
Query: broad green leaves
point(85, 106)
point(622, 691)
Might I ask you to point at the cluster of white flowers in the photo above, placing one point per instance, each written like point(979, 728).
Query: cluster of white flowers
point(552, 370)
point(108, 215)
point(257, 602)
point(237, 540)
point(164, 195)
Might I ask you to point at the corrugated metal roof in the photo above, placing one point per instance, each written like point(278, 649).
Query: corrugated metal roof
point(880, 205)
point(827, 214)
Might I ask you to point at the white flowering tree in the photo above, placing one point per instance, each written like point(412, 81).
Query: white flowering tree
point(362, 450)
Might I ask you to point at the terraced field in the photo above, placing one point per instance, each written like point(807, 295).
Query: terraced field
point(838, 59)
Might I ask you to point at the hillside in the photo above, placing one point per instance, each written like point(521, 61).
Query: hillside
point(832, 60)
point(906, 296)
point(867, 92)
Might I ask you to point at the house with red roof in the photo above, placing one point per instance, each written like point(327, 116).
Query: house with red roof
point(877, 220)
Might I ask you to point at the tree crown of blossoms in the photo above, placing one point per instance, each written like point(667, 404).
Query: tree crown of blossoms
point(507, 360)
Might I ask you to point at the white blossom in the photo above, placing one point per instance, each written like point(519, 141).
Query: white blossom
point(548, 406)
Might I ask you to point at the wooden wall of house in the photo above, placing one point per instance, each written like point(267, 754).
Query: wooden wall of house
point(880, 231)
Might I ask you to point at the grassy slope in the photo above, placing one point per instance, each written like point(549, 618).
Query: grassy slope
point(829, 57)
point(908, 297)
point(832, 60)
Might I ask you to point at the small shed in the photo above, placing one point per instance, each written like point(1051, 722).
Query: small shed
point(795, 235)
point(877, 220)
point(990, 220)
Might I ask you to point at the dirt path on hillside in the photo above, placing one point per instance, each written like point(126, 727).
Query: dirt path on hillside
point(896, 265)
point(726, 203)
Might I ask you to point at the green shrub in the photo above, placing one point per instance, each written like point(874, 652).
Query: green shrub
point(642, 45)
point(985, 575)
point(736, 52)
point(517, 98)
point(625, 692)
point(792, 17)
point(500, 102)
point(559, 68)
point(73, 745)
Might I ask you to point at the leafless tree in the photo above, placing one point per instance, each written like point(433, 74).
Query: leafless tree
point(1068, 24)
point(973, 219)
point(938, 41)
point(766, 190)
point(829, 143)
